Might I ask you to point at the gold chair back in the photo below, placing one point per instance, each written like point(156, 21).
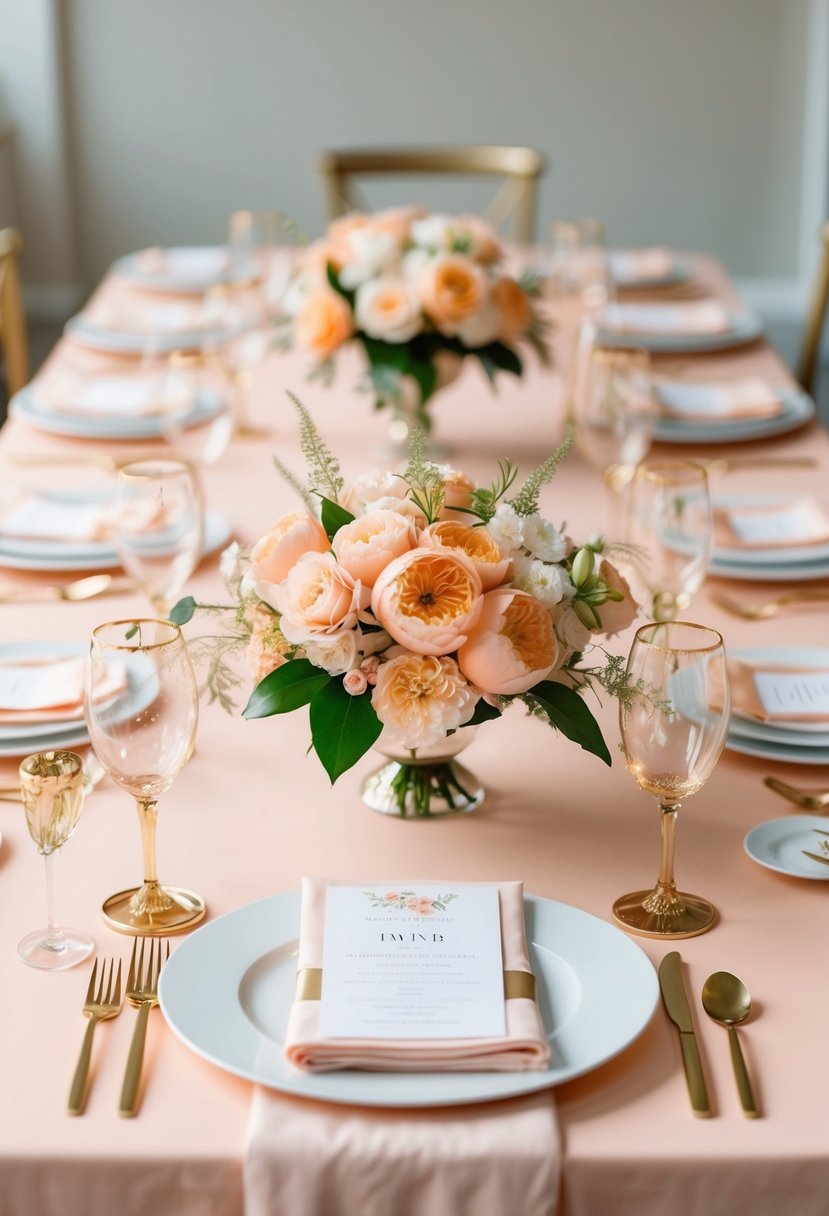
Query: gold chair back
point(810, 352)
point(12, 319)
point(519, 167)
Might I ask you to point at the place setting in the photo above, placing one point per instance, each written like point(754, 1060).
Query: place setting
point(710, 412)
point(687, 326)
point(771, 537)
point(780, 703)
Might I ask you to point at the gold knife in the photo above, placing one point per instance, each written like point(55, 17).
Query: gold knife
point(679, 1011)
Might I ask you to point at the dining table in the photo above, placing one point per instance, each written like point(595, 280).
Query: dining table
point(252, 813)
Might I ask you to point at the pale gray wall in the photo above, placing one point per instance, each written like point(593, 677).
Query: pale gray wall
point(676, 121)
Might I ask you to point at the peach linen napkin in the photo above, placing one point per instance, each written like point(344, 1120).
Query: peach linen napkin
point(799, 697)
point(633, 265)
point(51, 690)
point(525, 1045)
point(781, 525)
point(750, 397)
point(699, 317)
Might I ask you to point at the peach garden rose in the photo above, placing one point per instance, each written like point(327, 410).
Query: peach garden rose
point(274, 556)
point(323, 323)
point(318, 598)
point(365, 547)
point(428, 600)
point(418, 698)
point(513, 645)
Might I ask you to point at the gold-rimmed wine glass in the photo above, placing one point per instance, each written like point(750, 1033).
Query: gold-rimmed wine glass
point(188, 377)
point(52, 790)
point(159, 526)
point(669, 528)
point(143, 750)
point(674, 726)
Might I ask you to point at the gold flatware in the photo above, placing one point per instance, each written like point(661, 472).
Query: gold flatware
point(99, 460)
point(733, 464)
point(679, 1011)
point(769, 608)
point(815, 856)
point(100, 1005)
point(87, 588)
point(725, 999)
point(142, 991)
point(814, 800)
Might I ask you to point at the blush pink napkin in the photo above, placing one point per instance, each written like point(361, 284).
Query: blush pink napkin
point(525, 1045)
point(698, 317)
point(745, 699)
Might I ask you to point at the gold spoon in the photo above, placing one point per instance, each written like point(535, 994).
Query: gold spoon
point(727, 1001)
point(807, 800)
point(79, 589)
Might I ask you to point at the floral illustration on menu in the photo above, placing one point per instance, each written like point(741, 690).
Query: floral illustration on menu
point(410, 901)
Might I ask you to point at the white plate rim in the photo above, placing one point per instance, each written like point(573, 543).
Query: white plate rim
point(97, 338)
point(25, 405)
point(128, 268)
point(680, 272)
point(771, 827)
point(784, 555)
point(252, 936)
point(745, 326)
point(798, 409)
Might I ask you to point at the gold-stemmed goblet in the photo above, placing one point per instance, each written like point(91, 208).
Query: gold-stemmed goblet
point(674, 725)
point(143, 748)
point(52, 787)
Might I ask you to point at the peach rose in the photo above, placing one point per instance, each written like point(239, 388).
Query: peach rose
point(367, 545)
point(486, 247)
point(389, 309)
point(274, 555)
point(474, 543)
point(419, 698)
point(512, 646)
point(324, 323)
point(451, 288)
point(391, 897)
point(513, 309)
point(355, 682)
point(421, 904)
point(398, 220)
point(428, 601)
point(317, 599)
point(457, 491)
point(615, 615)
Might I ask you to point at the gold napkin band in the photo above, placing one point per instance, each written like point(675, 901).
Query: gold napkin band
point(516, 984)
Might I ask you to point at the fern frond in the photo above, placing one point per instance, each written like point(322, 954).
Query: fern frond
point(293, 481)
point(526, 500)
point(324, 474)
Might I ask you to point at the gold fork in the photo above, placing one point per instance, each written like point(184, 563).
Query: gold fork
point(142, 991)
point(769, 608)
point(98, 1006)
point(86, 588)
point(814, 801)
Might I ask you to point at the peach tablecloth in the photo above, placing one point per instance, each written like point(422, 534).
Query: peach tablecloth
point(251, 813)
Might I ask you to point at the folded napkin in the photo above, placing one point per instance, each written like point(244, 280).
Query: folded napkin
point(199, 263)
point(778, 693)
point(525, 1045)
point(39, 689)
point(119, 396)
point(27, 515)
point(798, 521)
point(484, 1160)
point(635, 265)
point(139, 316)
point(699, 317)
point(752, 397)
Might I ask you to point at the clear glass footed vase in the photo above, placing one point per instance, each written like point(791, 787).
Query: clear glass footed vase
point(427, 783)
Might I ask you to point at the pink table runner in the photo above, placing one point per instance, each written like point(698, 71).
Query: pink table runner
point(250, 814)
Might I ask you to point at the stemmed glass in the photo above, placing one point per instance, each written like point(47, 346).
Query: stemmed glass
point(159, 526)
point(52, 785)
point(674, 727)
point(143, 750)
point(185, 379)
point(669, 528)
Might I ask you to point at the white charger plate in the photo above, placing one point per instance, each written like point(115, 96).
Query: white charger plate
point(227, 992)
point(743, 327)
point(25, 405)
point(798, 409)
point(680, 270)
point(70, 556)
point(778, 845)
point(172, 278)
point(44, 736)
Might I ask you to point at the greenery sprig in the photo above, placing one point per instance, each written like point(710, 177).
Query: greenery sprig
point(424, 479)
point(526, 500)
point(324, 475)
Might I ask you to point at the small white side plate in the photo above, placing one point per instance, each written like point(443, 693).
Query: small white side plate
point(778, 845)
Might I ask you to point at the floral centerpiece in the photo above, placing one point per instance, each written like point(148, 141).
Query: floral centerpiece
point(407, 607)
point(419, 293)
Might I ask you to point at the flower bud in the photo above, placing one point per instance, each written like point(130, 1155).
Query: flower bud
point(583, 566)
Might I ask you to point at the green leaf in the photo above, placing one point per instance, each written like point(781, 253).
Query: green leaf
point(336, 285)
point(181, 612)
point(487, 364)
point(501, 356)
point(568, 713)
point(293, 684)
point(484, 712)
point(334, 517)
point(343, 727)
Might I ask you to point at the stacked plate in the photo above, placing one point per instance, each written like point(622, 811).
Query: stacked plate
point(694, 413)
point(648, 269)
point(788, 562)
point(795, 740)
point(687, 327)
point(116, 422)
point(48, 727)
point(191, 269)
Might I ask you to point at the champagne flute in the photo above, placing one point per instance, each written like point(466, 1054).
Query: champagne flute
point(143, 751)
point(159, 526)
point(674, 727)
point(669, 527)
point(52, 785)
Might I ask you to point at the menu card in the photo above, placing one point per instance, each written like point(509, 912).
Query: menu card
point(793, 693)
point(420, 963)
point(799, 522)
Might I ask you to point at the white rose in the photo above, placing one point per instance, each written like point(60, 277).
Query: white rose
point(297, 293)
point(335, 655)
point(373, 252)
point(233, 564)
point(433, 232)
point(413, 263)
point(543, 539)
point(549, 584)
point(371, 486)
point(505, 528)
point(569, 630)
point(389, 309)
point(481, 327)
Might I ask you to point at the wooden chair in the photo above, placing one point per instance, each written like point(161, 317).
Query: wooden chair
point(12, 319)
point(808, 365)
point(519, 167)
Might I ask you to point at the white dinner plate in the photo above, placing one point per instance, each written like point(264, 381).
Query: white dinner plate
point(25, 405)
point(679, 271)
point(227, 992)
point(778, 845)
point(743, 327)
point(189, 269)
point(773, 732)
point(758, 572)
point(763, 739)
point(141, 691)
point(756, 556)
point(56, 555)
point(798, 409)
point(131, 343)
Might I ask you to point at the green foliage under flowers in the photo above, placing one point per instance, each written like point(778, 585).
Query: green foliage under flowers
point(333, 517)
point(525, 501)
point(564, 709)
